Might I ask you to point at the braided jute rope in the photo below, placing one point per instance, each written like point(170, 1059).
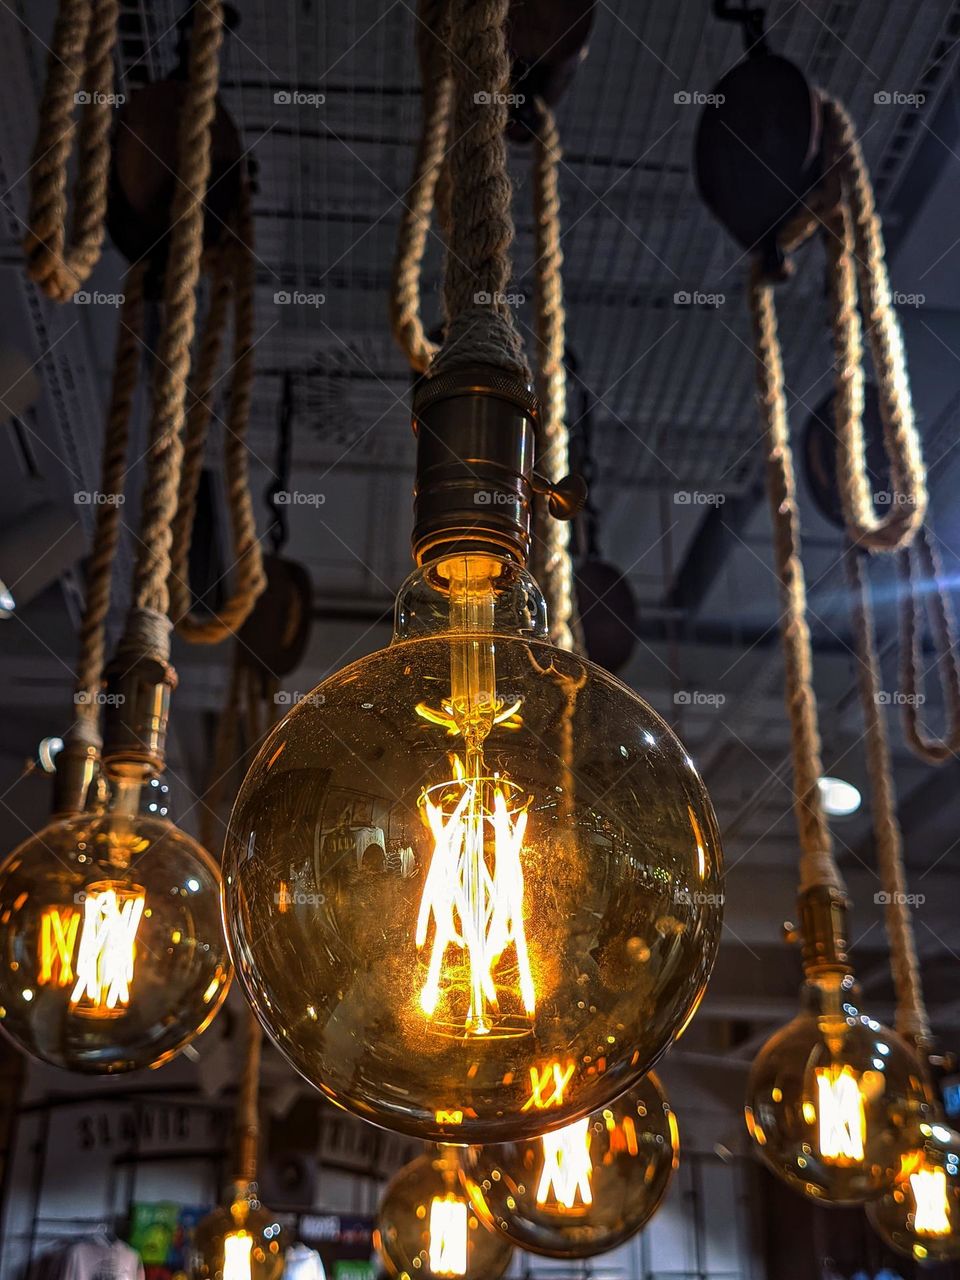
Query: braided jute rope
point(405, 305)
point(248, 1113)
point(481, 328)
point(81, 62)
point(148, 630)
point(855, 252)
point(817, 862)
point(923, 586)
point(234, 277)
point(911, 1016)
point(553, 566)
point(113, 472)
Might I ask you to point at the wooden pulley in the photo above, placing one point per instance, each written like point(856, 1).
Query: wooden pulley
point(820, 456)
point(547, 41)
point(144, 164)
point(758, 151)
point(275, 634)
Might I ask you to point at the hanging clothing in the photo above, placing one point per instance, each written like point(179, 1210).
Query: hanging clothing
point(302, 1263)
point(98, 1258)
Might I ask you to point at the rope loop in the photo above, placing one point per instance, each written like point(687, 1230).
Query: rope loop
point(855, 254)
point(79, 72)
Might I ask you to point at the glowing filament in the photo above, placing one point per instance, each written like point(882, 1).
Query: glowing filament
point(107, 948)
point(236, 1255)
point(566, 1166)
point(448, 1236)
point(58, 936)
point(473, 893)
point(931, 1217)
point(842, 1119)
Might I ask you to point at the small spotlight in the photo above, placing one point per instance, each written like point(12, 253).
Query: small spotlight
point(839, 798)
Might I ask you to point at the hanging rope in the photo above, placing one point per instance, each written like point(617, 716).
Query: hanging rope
point(922, 583)
point(481, 328)
point(248, 1112)
point(80, 68)
point(911, 1017)
point(405, 302)
point(553, 564)
point(233, 278)
point(106, 535)
point(148, 627)
point(817, 862)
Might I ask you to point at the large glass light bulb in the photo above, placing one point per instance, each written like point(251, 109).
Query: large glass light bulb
point(472, 882)
point(426, 1228)
point(835, 1100)
point(919, 1215)
point(239, 1241)
point(112, 955)
point(584, 1189)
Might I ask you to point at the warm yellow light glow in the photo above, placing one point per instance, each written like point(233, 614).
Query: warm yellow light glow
point(448, 1236)
point(236, 1255)
point(842, 1119)
point(548, 1085)
point(932, 1211)
point(58, 937)
point(565, 1176)
point(107, 949)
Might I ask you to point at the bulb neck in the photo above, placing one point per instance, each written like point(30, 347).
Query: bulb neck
point(823, 926)
point(475, 430)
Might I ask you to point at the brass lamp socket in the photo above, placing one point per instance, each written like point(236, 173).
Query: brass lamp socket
point(823, 927)
point(476, 433)
point(77, 766)
point(138, 706)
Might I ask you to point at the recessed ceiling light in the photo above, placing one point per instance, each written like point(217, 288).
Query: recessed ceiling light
point(840, 798)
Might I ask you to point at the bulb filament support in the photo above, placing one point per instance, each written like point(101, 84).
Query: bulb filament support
point(567, 1168)
point(93, 949)
point(842, 1123)
point(448, 1236)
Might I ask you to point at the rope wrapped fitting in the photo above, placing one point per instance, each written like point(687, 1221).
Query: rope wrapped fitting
point(140, 681)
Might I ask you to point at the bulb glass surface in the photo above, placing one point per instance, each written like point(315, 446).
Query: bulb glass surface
point(112, 954)
point(582, 1190)
point(919, 1215)
point(239, 1241)
point(472, 881)
point(835, 1100)
point(426, 1228)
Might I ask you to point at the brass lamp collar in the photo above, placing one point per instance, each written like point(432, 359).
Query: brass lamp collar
point(135, 722)
point(823, 930)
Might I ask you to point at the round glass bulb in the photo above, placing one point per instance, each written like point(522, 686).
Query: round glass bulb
point(112, 954)
point(835, 1100)
point(426, 1227)
point(239, 1241)
point(584, 1189)
point(919, 1215)
point(471, 882)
